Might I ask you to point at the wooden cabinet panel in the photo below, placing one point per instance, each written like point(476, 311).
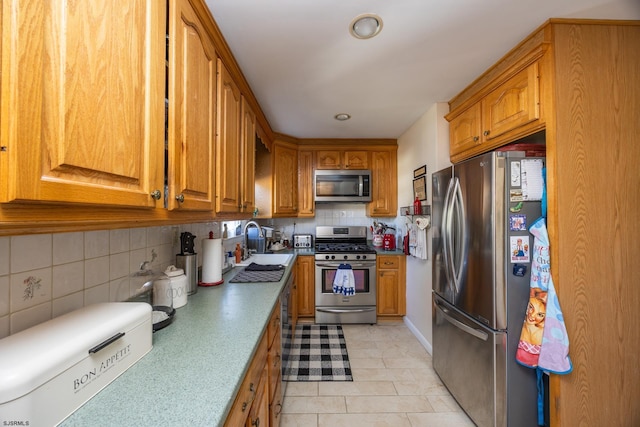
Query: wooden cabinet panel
point(329, 159)
point(342, 159)
point(356, 159)
point(259, 414)
point(465, 130)
point(249, 389)
point(384, 180)
point(192, 111)
point(248, 158)
point(83, 113)
point(391, 286)
point(275, 407)
point(228, 143)
point(513, 104)
point(285, 180)
point(510, 110)
point(306, 202)
point(305, 274)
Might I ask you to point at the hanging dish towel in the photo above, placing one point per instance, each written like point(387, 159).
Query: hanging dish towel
point(344, 282)
point(544, 343)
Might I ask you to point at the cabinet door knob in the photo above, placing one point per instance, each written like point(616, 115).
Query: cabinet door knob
point(180, 198)
point(156, 195)
point(476, 138)
point(486, 132)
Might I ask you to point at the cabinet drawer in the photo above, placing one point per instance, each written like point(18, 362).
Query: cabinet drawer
point(274, 324)
point(249, 387)
point(386, 262)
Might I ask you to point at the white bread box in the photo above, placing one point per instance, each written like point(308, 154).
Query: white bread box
point(50, 370)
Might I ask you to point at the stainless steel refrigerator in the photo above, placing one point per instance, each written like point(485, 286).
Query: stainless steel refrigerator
point(481, 286)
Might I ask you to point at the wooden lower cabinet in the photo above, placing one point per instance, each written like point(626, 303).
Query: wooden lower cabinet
point(259, 401)
point(391, 286)
point(305, 289)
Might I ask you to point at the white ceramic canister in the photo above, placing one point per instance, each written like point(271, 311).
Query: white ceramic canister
point(179, 285)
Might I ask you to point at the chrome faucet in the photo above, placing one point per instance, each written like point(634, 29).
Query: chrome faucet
point(245, 239)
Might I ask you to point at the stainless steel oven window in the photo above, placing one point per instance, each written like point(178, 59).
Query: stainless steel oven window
point(361, 276)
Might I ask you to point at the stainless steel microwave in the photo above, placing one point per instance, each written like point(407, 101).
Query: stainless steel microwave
point(342, 186)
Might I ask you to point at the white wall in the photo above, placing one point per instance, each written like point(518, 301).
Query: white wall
point(426, 142)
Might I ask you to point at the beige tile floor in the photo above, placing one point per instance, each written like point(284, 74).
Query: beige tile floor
point(393, 385)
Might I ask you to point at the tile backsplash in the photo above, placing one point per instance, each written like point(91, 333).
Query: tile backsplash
point(43, 276)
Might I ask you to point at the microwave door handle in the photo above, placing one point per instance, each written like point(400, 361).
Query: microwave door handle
point(360, 185)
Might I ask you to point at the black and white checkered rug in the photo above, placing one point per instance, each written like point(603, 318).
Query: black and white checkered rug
point(318, 353)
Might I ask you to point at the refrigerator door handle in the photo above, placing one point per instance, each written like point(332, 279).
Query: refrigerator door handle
point(447, 241)
point(458, 324)
point(459, 251)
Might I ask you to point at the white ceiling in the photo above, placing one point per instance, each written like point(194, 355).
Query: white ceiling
point(304, 67)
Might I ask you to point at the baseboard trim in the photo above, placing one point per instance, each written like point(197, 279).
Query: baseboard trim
point(426, 344)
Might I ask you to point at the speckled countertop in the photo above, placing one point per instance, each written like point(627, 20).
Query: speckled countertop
point(197, 363)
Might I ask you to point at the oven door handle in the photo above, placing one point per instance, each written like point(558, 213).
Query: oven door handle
point(345, 310)
point(352, 264)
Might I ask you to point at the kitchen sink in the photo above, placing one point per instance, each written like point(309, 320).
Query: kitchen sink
point(267, 259)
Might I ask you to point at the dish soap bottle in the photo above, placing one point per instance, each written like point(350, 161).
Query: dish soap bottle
point(238, 253)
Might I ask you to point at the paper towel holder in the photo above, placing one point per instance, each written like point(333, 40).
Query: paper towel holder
point(211, 256)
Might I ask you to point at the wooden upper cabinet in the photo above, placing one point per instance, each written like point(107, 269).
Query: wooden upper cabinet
point(465, 130)
point(285, 180)
point(192, 111)
point(510, 110)
point(247, 158)
point(339, 159)
point(513, 104)
point(328, 159)
point(356, 160)
point(384, 181)
point(83, 102)
point(306, 200)
point(228, 144)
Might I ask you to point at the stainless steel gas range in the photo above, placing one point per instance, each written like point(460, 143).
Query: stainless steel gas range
point(345, 248)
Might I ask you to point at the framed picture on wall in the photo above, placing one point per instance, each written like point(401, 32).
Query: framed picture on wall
point(420, 188)
point(422, 170)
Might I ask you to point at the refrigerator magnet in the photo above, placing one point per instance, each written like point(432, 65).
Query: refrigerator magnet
point(518, 223)
point(519, 248)
point(519, 270)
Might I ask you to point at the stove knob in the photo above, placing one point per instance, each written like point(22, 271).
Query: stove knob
point(326, 257)
point(346, 257)
point(357, 256)
point(363, 257)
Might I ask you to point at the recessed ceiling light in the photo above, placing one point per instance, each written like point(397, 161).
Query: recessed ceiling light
point(342, 117)
point(365, 26)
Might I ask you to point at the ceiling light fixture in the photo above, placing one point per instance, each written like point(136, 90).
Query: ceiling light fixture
point(342, 117)
point(365, 26)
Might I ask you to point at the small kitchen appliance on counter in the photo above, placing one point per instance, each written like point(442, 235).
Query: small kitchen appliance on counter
point(50, 370)
point(187, 260)
point(389, 242)
point(302, 241)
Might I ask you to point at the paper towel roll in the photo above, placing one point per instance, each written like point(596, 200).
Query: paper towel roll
point(211, 262)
